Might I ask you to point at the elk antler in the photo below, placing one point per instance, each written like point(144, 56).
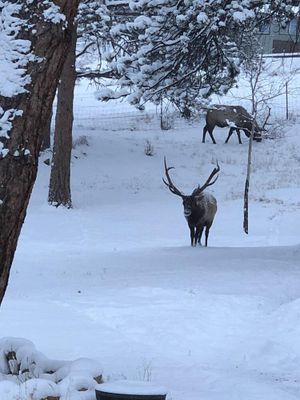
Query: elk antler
point(209, 181)
point(170, 184)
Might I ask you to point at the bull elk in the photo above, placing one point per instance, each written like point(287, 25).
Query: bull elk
point(199, 208)
point(234, 117)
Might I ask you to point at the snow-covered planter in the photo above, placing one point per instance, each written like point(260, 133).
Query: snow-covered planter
point(27, 374)
point(130, 390)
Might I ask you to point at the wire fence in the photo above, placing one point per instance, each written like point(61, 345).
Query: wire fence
point(90, 113)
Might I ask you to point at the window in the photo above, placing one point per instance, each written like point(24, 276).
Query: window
point(265, 28)
point(294, 26)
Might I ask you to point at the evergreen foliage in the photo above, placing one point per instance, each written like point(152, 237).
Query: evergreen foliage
point(183, 50)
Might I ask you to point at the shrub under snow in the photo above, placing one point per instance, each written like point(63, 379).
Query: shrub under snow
point(26, 373)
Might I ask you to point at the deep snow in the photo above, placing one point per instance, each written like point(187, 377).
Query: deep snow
point(115, 280)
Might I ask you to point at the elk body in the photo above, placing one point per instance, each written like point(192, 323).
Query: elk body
point(199, 208)
point(234, 117)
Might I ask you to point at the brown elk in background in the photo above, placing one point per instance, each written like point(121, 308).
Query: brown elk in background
point(235, 117)
point(199, 208)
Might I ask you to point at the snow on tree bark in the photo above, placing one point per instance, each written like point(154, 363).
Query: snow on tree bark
point(36, 55)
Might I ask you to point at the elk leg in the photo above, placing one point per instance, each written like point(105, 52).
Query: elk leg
point(199, 234)
point(231, 130)
point(204, 133)
point(210, 131)
point(206, 234)
point(207, 129)
point(239, 135)
point(193, 235)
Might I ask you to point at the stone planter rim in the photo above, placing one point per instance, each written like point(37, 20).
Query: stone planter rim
point(131, 388)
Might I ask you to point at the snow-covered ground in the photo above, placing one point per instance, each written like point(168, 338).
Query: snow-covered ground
point(115, 279)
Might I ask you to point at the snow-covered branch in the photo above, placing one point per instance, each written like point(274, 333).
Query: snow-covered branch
point(184, 51)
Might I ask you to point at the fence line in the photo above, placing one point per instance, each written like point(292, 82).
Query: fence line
point(90, 113)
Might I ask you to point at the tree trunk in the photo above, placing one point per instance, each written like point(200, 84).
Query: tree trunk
point(59, 188)
point(246, 200)
point(46, 144)
point(18, 168)
point(247, 181)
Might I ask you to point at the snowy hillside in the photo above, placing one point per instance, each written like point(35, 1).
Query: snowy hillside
point(115, 279)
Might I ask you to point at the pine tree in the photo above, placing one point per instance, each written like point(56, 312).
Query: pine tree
point(88, 34)
point(33, 59)
point(182, 50)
